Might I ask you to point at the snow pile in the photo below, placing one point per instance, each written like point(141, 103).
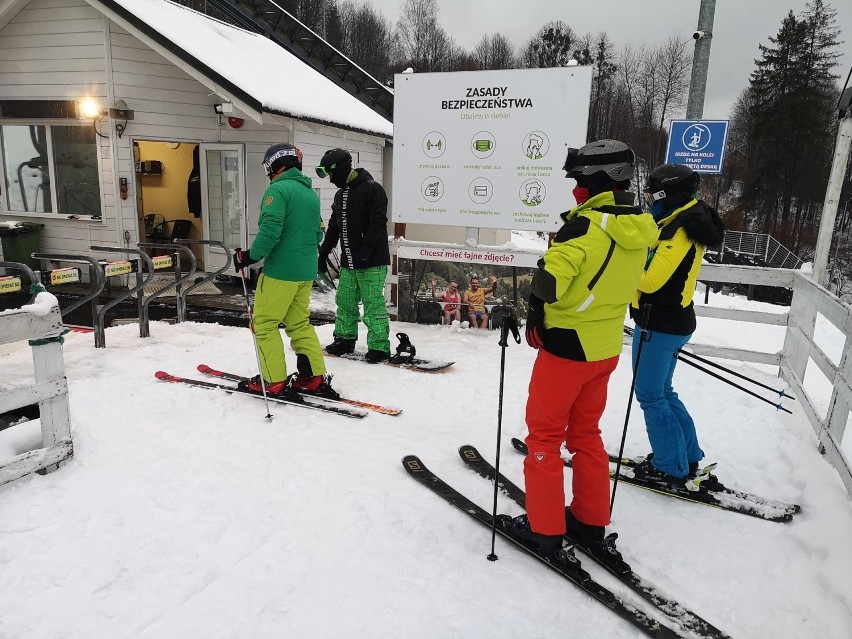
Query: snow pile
point(185, 514)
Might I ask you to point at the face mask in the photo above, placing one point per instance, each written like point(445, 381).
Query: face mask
point(581, 194)
point(658, 211)
point(340, 173)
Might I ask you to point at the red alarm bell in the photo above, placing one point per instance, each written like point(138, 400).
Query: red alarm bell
point(235, 123)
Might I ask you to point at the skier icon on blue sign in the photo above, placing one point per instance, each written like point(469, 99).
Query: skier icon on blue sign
point(696, 137)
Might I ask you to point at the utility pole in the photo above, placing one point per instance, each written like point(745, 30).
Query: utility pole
point(703, 37)
point(835, 186)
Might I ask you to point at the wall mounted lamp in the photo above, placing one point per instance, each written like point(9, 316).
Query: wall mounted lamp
point(90, 110)
point(121, 112)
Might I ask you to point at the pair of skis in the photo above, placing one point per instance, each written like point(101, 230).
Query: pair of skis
point(568, 566)
point(705, 491)
point(341, 406)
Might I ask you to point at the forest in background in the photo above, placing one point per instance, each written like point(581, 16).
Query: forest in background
point(783, 126)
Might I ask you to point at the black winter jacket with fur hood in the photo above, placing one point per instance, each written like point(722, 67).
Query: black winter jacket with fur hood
point(673, 265)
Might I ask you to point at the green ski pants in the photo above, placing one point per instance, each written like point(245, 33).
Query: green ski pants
point(276, 302)
point(367, 286)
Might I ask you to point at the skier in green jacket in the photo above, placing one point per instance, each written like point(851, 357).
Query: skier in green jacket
point(288, 232)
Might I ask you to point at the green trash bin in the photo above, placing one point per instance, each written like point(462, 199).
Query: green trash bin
point(20, 240)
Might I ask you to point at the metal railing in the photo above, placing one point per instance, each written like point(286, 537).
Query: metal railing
point(809, 300)
point(763, 246)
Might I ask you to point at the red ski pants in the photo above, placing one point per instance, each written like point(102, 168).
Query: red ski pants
point(566, 400)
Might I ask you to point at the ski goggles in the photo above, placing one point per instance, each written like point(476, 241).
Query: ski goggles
point(268, 162)
point(653, 198)
point(324, 172)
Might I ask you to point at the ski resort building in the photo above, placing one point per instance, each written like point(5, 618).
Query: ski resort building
point(183, 108)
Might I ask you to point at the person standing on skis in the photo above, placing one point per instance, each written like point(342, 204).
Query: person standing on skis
point(287, 236)
point(686, 226)
point(359, 220)
point(579, 298)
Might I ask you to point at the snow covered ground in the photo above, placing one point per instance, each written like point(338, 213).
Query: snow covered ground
point(185, 514)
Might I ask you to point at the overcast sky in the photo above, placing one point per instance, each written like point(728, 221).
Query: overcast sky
point(739, 27)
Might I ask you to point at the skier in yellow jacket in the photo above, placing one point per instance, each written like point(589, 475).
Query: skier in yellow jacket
point(686, 226)
point(579, 298)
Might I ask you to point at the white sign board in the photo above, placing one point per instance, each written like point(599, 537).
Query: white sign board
point(485, 149)
point(468, 255)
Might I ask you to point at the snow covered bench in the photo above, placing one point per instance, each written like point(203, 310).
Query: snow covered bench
point(40, 322)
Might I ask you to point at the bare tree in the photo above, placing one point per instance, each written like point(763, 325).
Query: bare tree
point(366, 38)
point(672, 69)
point(423, 42)
point(494, 52)
point(600, 54)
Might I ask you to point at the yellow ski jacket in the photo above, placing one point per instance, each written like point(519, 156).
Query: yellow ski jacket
point(589, 274)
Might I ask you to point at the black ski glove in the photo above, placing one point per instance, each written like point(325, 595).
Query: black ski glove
point(322, 262)
point(535, 322)
point(242, 259)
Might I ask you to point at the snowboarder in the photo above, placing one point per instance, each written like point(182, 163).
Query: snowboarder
point(579, 297)
point(287, 237)
point(686, 226)
point(359, 222)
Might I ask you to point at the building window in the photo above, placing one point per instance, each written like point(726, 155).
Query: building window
point(49, 168)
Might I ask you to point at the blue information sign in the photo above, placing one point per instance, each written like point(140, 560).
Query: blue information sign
point(699, 144)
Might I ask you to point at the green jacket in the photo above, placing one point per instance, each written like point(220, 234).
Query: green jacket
point(289, 229)
point(589, 274)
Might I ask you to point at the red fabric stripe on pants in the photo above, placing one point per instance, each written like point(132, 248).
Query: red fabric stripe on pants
point(566, 400)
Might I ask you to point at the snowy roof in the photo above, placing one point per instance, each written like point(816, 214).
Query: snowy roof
point(259, 71)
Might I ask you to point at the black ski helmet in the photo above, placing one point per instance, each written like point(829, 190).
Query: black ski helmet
point(336, 165)
point(280, 156)
point(671, 184)
point(611, 157)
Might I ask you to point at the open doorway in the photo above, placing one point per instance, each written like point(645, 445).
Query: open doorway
point(168, 193)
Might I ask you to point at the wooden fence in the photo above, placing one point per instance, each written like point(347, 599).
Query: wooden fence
point(809, 302)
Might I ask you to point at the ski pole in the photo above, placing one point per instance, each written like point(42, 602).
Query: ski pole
point(326, 275)
point(680, 352)
point(253, 336)
point(727, 381)
point(781, 392)
point(509, 323)
point(644, 337)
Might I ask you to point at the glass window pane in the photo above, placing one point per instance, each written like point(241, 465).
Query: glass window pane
point(224, 197)
point(75, 161)
point(26, 171)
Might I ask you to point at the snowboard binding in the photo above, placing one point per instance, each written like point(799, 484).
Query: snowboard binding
point(405, 351)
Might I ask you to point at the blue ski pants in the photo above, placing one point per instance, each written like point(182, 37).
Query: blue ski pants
point(671, 430)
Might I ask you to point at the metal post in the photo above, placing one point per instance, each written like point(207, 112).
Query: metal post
point(841, 231)
point(835, 186)
point(700, 60)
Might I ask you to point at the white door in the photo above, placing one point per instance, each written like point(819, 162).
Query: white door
point(224, 200)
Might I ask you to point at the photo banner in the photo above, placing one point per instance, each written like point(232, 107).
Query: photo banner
point(485, 149)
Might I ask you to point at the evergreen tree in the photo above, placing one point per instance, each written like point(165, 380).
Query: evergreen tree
point(791, 96)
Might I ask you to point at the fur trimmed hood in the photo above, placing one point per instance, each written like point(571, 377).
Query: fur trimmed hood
point(700, 221)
